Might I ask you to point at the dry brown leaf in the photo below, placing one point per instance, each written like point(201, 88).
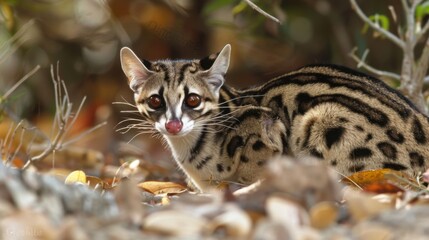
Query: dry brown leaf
point(380, 181)
point(323, 214)
point(367, 177)
point(77, 176)
point(157, 187)
point(382, 187)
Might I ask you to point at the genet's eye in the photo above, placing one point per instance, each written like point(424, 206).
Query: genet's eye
point(155, 102)
point(193, 100)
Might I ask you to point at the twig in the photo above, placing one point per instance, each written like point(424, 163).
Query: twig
point(376, 27)
point(11, 157)
point(16, 85)
point(4, 52)
point(361, 63)
point(63, 121)
point(12, 137)
point(258, 9)
point(81, 135)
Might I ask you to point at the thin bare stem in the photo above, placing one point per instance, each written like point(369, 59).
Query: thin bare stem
point(4, 51)
point(400, 43)
point(23, 79)
point(83, 134)
point(361, 63)
point(12, 137)
point(259, 10)
point(63, 121)
point(21, 139)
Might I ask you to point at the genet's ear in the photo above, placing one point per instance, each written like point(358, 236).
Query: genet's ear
point(217, 68)
point(134, 69)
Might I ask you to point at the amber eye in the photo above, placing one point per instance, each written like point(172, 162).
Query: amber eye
point(193, 100)
point(154, 102)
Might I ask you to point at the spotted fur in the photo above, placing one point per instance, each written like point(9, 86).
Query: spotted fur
point(349, 120)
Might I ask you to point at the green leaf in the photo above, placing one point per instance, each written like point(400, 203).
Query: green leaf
point(239, 8)
point(216, 5)
point(380, 20)
point(422, 10)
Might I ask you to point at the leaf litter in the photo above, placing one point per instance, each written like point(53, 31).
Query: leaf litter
point(295, 200)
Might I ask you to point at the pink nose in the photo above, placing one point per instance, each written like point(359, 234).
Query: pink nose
point(174, 126)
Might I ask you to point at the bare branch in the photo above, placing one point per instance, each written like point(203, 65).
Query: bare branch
point(361, 63)
point(12, 137)
point(400, 43)
point(83, 134)
point(5, 51)
point(21, 139)
point(63, 120)
point(16, 85)
point(258, 9)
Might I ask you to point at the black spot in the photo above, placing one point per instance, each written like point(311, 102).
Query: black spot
point(258, 145)
point(416, 159)
point(233, 144)
point(368, 137)
point(219, 167)
point(228, 169)
point(357, 168)
point(334, 162)
point(260, 163)
point(333, 135)
point(343, 120)
point(419, 134)
point(359, 128)
point(316, 153)
point(361, 152)
point(204, 162)
point(244, 159)
point(395, 136)
point(394, 166)
point(388, 150)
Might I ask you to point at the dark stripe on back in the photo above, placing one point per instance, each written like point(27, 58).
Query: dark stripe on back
point(305, 102)
point(333, 81)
